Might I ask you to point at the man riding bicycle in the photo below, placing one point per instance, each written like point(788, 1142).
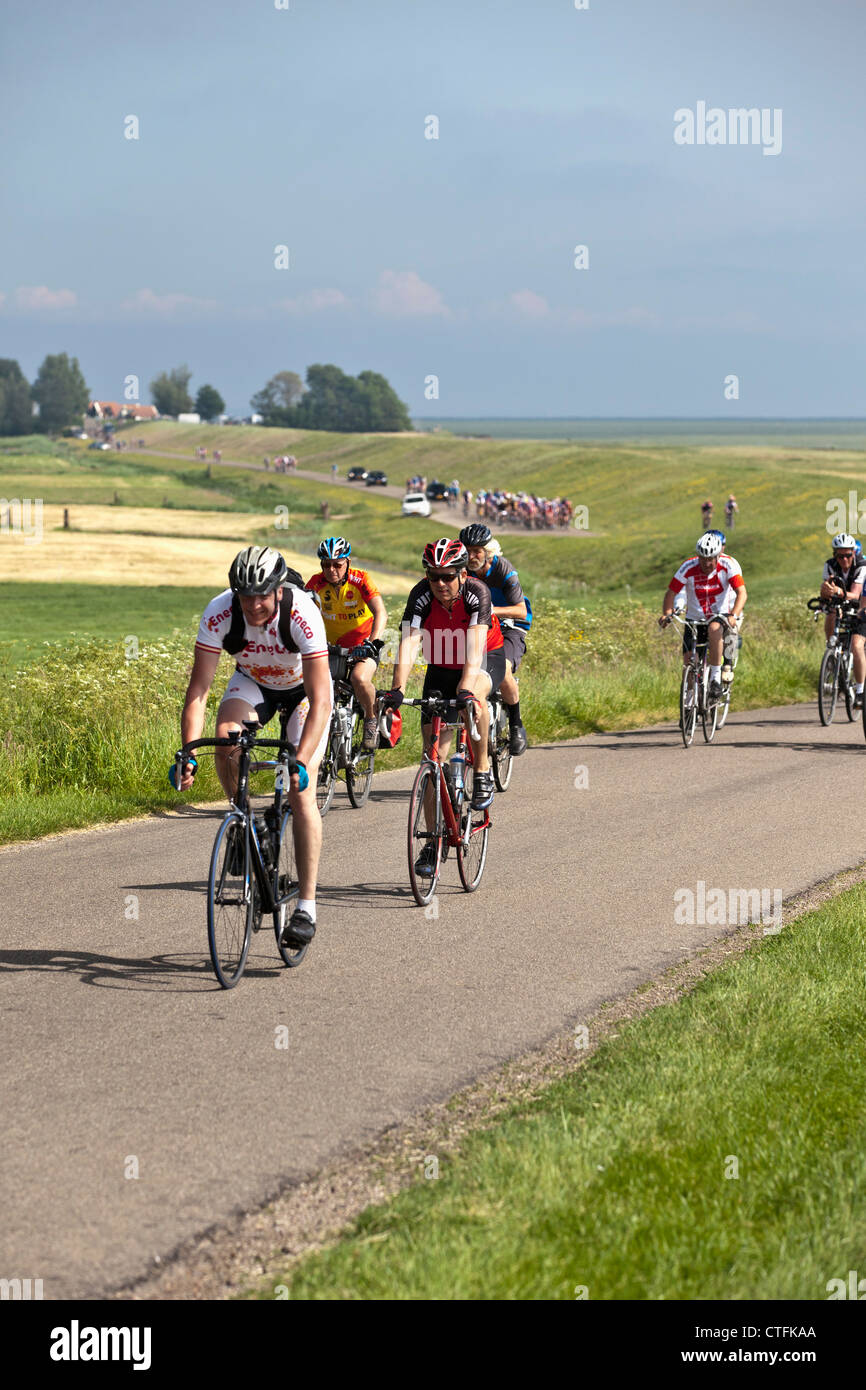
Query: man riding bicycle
point(707, 577)
point(276, 635)
point(843, 578)
point(463, 647)
point(355, 618)
point(512, 608)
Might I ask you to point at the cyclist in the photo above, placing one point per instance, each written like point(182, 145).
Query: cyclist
point(512, 608)
point(707, 513)
point(355, 617)
point(707, 578)
point(276, 635)
point(843, 577)
point(464, 651)
point(730, 508)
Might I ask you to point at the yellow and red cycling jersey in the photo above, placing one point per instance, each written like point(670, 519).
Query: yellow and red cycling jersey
point(345, 607)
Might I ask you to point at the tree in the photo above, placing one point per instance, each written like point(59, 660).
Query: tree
point(209, 403)
point(385, 410)
point(281, 394)
point(61, 391)
point(170, 391)
point(16, 406)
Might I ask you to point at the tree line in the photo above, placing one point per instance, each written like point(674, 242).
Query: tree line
point(330, 399)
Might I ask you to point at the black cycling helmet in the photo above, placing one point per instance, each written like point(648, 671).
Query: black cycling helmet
point(257, 570)
point(476, 534)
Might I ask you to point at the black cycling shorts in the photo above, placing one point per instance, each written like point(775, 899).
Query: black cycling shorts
point(703, 629)
point(515, 645)
point(446, 679)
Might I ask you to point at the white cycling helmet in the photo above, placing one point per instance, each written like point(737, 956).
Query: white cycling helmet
point(844, 542)
point(709, 545)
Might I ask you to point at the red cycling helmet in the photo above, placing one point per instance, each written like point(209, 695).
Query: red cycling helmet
point(442, 553)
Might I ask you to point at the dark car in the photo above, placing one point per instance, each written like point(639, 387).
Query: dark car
point(356, 475)
point(376, 479)
point(436, 491)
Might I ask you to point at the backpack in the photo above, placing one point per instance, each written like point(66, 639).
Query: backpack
point(235, 641)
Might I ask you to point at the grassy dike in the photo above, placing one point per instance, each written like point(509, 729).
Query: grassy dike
point(712, 1149)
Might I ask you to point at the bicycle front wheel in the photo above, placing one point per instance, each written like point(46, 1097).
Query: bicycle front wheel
point(472, 849)
point(422, 840)
point(688, 705)
point(501, 759)
point(828, 685)
point(846, 677)
point(230, 905)
point(359, 773)
point(724, 706)
point(285, 889)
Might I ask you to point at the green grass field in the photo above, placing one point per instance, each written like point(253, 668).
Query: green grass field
point(713, 1150)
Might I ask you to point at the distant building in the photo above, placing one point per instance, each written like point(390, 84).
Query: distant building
point(121, 410)
point(189, 417)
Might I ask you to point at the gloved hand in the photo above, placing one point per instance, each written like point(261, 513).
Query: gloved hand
point(465, 698)
point(392, 699)
point(172, 771)
point(303, 778)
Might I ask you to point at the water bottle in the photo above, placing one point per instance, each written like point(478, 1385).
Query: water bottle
point(457, 763)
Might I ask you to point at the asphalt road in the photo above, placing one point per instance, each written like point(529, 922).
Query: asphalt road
point(121, 1051)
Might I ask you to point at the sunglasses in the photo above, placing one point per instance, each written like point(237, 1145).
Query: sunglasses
point(844, 554)
point(443, 576)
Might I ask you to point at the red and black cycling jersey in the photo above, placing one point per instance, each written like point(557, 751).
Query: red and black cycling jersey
point(443, 645)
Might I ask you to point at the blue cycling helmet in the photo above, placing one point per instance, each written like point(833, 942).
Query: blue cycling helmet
point(721, 536)
point(858, 549)
point(334, 548)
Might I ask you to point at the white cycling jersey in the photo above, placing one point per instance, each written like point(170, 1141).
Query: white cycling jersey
point(708, 594)
point(264, 658)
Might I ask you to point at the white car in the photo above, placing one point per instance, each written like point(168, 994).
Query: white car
point(416, 504)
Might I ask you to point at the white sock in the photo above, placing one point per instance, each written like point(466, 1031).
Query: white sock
point(715, 673)
point(308, 905)
point(858, 689)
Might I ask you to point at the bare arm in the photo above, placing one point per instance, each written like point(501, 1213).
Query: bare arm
point(317, 687)
point(512, 610)
point(408, 650)
point(380, 617)
point(195, 703)
point(476, 645)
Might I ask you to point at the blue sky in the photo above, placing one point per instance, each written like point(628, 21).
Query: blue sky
point(454, 257)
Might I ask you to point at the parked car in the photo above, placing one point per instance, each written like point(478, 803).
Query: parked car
point(375, 479)
point(436, 491)
point(356, 475)
point(416, 504)
point(99, 444)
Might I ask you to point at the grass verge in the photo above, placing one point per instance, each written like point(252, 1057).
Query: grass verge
point(709, 1150)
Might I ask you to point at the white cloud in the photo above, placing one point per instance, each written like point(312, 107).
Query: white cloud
point(532, 305)
point(37, 297)
point(403, 293)
point(314, 300)
point(147, 301)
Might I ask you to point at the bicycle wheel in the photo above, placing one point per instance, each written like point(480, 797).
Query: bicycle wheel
point(230, 906)
point(472, 849)
point(709, 710)
point(846, 676)
point(724, 706)
point(423, 887)
point(286, 889)
point(359, 773)
point(828, 685)
point(327, 779)
point(688, 705)
point(501, 760)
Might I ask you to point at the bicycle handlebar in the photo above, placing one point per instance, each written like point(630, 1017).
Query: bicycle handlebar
point(437, 704)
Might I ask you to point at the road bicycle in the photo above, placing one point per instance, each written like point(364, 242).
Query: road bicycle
point(442, 791)
point(252, 866)
point(836, 675)
point(344, 752)
point(695, 687)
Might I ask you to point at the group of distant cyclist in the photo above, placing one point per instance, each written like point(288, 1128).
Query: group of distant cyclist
point(468, 614)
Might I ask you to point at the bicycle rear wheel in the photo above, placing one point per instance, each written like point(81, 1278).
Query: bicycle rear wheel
point(359, 773)
point(828, 685)
point(423, 887)
point(286, 890)
point(846, 676)
point(230, 905)
point(688, 705)
point(327, 779)
point(472, 849)
point(709, 709)
point(501, 760)
point(724, 706)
